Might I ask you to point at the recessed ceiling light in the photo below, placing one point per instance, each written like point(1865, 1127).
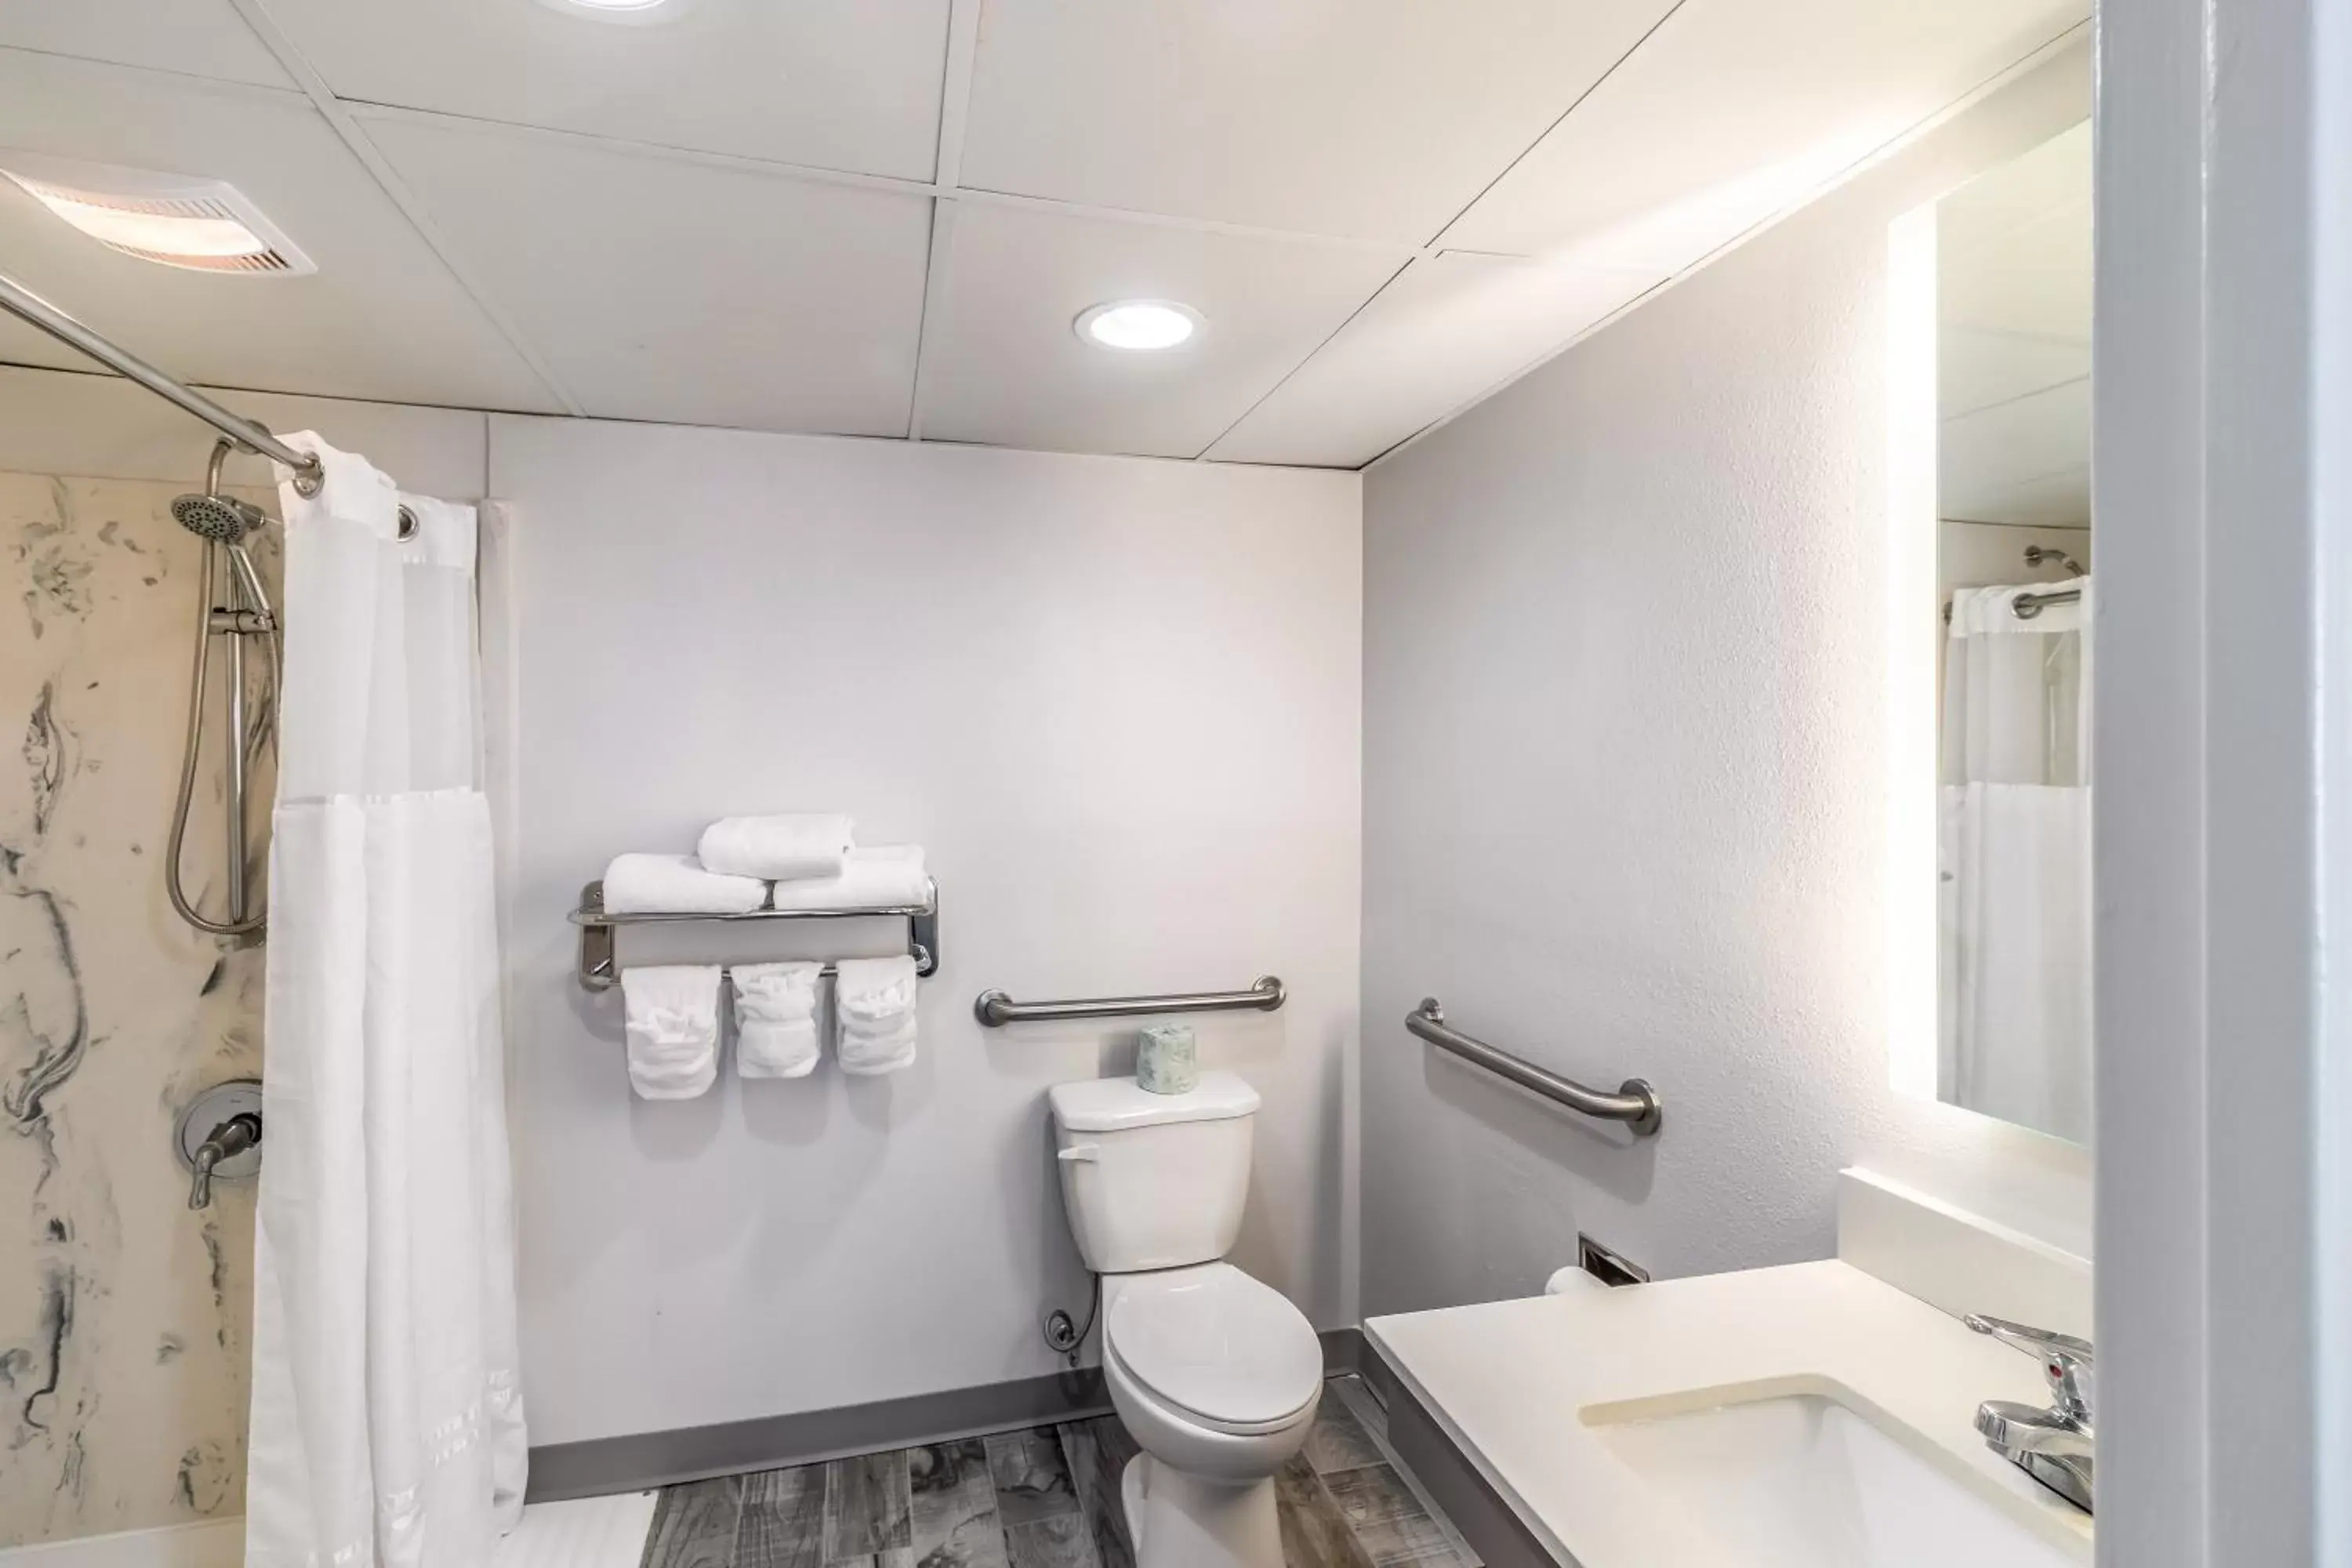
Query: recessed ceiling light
point(619, 10)
point(1138, 324)
point(174, 220)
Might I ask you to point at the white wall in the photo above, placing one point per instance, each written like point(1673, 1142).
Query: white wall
point(102, 426)
point(1117, 699)
point(1623, 805)
point(1976, 555)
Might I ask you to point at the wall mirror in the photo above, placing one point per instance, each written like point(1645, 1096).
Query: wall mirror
point(2006, 260)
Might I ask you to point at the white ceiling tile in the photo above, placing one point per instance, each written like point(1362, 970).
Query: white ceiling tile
point(2062, 499)
point(659, 287)
point(2013, 344)
point(195, 37)
point(381, 319)
point(1002, 364)
point(836, 84)
point(1984, 455)
point(1735, 110)
point(1380, 119)
point(2052, 180)
point(1974, 369)
point(1447, 330)
point(2013, 276)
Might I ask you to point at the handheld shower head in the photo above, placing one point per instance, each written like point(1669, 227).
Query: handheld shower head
point(213, 515)
point(222, 518)
point(231, 603)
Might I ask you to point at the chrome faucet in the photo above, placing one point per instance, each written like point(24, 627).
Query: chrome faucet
point(2053, 1446)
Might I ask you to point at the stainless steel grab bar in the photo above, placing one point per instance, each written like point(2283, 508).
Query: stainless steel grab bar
point(996, 1009)
point(1635, 1103)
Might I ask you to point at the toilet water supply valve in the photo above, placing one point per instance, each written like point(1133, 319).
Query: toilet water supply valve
point(1063, 1334)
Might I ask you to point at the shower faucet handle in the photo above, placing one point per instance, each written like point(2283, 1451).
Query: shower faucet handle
point(232, 1137)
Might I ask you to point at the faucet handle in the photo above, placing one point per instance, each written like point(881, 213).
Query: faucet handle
point(200, 1185)
point(232, 1137)
point(2066, 1360)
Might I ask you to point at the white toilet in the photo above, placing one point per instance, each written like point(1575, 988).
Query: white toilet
point(1215, 1375)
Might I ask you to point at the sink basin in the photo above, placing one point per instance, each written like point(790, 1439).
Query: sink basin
point(1805, 1480)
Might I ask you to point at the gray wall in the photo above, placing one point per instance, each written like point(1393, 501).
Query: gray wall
point(1117, 699)
point(1621, 780)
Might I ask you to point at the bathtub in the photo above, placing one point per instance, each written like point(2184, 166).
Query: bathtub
point(214, 1544)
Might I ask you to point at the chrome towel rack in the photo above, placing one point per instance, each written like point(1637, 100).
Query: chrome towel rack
point(996, 1009)
point(1635, 1103)
point(596, 925)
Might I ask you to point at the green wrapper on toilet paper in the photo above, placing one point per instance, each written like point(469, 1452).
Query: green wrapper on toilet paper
point(1165, 1063)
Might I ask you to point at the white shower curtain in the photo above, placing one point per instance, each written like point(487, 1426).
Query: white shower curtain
point(2015, 852)
point(387, 1423)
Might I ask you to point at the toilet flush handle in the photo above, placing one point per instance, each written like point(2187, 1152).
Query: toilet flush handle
point(1080, 1151)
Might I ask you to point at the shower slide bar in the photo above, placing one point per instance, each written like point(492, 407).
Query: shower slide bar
point(1635, 1103)
point(599, 973)
point(27, 306)
point(996, 1009)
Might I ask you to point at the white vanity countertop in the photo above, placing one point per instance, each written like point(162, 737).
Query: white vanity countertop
point(1509, 1380)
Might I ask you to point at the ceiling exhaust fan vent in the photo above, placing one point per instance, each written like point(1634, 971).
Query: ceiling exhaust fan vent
point(173, 220)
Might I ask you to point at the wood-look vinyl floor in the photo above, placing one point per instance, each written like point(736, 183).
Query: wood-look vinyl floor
point(1048, 1498)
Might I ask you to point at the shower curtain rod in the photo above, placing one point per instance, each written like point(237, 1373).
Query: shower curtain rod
point(26, 305)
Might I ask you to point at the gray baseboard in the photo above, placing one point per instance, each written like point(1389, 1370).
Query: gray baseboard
point(648, 1459)
point(1488, 1522)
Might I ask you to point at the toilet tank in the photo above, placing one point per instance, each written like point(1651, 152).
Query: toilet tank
point(1153, 1181)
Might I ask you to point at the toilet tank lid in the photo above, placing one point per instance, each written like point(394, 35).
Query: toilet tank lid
point(1113, 1104)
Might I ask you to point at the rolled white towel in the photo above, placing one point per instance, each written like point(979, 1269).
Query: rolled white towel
point(671, 1012)
point(775, 1019)
point(873, 1004)
point(784, 848)
point(883, 877)
point(676, 884)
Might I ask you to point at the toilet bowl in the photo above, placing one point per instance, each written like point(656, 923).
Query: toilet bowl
point(1217, 1378)
point(1215, 1375)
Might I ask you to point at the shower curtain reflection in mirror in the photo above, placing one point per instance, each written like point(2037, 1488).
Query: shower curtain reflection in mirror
point(2014, 861)
point(1989, 757)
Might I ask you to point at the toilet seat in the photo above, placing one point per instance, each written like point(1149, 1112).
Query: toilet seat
point(1215, 1346)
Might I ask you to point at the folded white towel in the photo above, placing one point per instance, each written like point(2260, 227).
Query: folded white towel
point(777, 848)
point(672, 1014)
point(775, 1019)
point(863, 1055)
point(676, 884)
point(873, 1014)
point(887, 876)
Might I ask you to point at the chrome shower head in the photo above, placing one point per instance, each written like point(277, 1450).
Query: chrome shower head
point(212, 515)
point(215, 517)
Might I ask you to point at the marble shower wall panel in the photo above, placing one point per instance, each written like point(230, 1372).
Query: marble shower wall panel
point(123, 1315)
